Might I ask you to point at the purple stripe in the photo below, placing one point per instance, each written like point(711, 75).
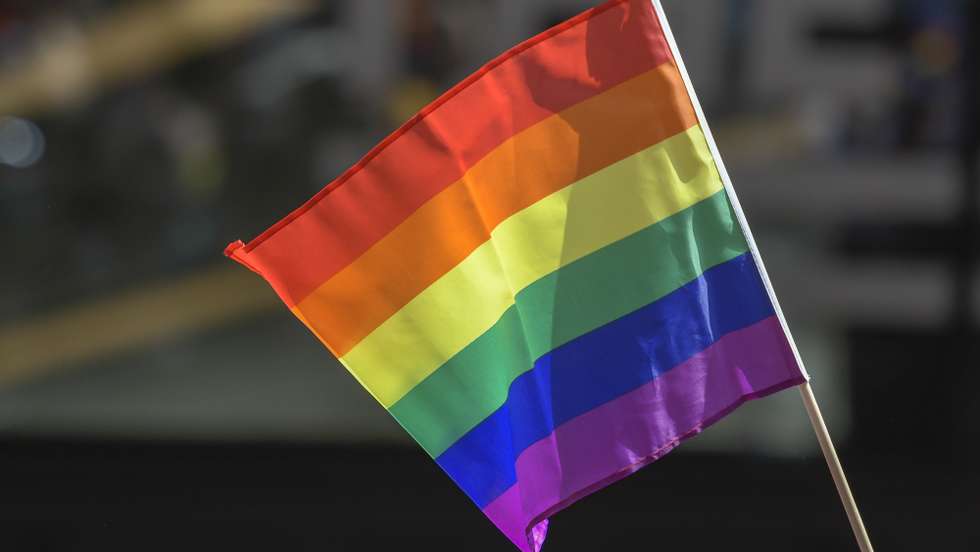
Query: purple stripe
point(507, 514)
point(616, 439)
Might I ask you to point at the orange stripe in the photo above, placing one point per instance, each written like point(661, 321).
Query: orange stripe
point(528, 167)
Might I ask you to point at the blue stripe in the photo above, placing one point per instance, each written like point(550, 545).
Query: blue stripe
point(602, 365)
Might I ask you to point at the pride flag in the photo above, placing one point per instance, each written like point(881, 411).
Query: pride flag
point(541, 275)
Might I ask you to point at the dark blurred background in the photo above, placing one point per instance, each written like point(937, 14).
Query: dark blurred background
point(154, 396)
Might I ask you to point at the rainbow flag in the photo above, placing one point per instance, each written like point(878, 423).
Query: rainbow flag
point(541, 275)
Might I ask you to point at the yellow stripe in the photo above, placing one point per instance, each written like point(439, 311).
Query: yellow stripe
point(561, 228)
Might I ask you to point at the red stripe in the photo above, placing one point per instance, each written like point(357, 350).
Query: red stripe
point(543, 76)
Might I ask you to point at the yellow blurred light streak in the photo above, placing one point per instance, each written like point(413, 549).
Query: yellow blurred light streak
point(125, 322)
point(70, 64)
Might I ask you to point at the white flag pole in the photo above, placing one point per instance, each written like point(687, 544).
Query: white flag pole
point(809, 401)
point(836, 470)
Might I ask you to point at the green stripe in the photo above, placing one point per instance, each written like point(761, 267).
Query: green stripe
point(567, 303)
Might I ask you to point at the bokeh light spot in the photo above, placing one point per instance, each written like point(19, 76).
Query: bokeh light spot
point(21, 142)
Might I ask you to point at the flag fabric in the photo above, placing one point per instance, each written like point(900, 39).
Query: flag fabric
point(541, 275)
